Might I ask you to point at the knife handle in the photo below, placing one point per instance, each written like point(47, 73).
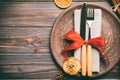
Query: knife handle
point(89, 60)
point(83, 54)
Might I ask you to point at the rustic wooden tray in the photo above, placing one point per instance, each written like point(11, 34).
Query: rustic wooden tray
point(110, 30)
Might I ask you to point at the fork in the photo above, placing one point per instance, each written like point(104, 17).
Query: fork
point(90, 19)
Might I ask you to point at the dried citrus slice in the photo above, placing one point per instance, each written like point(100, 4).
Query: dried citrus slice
point(71, 66)
point(63, 3)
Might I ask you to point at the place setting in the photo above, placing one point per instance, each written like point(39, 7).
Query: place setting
point(85, 40)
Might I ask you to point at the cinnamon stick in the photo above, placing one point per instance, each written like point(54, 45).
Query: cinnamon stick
point(115, 4)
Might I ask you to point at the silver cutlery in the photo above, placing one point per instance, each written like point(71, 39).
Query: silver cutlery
point(90, 19)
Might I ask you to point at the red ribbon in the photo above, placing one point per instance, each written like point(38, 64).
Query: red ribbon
point(97, 42)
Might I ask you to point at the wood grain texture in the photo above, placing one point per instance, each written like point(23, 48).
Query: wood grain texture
point(20, 24)
point(49, 0)
point(27, 14)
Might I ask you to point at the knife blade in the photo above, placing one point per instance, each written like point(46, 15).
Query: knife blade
point(83, 20)
point(83, 35)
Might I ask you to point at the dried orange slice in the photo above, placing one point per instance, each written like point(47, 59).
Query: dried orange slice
point(63, 3)
point(71, 66)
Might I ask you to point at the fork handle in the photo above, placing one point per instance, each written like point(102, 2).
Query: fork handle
point(89, 60)
point(83, 54)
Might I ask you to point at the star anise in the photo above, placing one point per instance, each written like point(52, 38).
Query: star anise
point(60, 76)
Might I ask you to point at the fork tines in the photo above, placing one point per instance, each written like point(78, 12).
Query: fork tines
point(90, 13)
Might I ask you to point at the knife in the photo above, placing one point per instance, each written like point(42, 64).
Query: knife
point(83, 35)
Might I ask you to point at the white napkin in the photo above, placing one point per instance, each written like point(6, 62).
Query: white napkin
point(96, 32)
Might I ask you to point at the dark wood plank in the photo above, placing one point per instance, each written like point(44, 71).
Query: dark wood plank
point(27, 66)
point(12, 49)
point(25, 42)
point(34, 65)
point(47, 0)
point(12, 62)
point(27, 14)
point(38, 75)
point(24, 39)
point(28, 20)
point(51, 75)
point(33, 68)
point(25, 58)
point(24, 32)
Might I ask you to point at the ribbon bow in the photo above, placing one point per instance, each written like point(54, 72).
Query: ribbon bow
point(97, 42)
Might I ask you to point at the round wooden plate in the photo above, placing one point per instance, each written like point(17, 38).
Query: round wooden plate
point(110, 30)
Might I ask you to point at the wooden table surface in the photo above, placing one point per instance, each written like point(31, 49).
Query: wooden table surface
point(25, 27)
